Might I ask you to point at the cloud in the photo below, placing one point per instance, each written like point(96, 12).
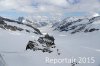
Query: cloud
point(86, 6)
point(18, 5)
point(96, 14)
point(52, 7)
point(73, 1)
point(58, 3)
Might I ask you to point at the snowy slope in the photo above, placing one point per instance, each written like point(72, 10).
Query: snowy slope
point(14, 39)
point(79, 25)
point(13, 43)
point(77, 45)
point(2, 61)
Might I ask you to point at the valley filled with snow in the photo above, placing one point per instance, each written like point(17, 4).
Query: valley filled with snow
point(84, 47)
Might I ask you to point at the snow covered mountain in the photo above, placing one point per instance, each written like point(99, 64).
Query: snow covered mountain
point(74, 25)
point(22, 44)
point(13, 25)
point(33, 22)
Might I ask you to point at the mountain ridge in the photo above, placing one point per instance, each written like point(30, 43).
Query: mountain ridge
point(78, 25)
point(4, 21)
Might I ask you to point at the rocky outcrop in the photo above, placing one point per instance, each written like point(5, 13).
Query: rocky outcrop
point(44, 44)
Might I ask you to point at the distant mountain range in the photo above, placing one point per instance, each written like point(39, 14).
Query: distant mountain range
point(33, 22)
point(9, 24)
point(74, 25)
point(70, 24)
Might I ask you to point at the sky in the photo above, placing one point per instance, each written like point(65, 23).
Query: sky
point(48, 8)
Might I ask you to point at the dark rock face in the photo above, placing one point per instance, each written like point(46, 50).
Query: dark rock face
point(4, 25)
point(20, 19)
point(47, 43)
point(91, 30)
point(37, 31)
point(74, 63)
point(31, 45)
point(48, 40)
point(79, 25)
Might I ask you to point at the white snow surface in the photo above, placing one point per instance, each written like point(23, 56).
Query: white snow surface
point(12, 48)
